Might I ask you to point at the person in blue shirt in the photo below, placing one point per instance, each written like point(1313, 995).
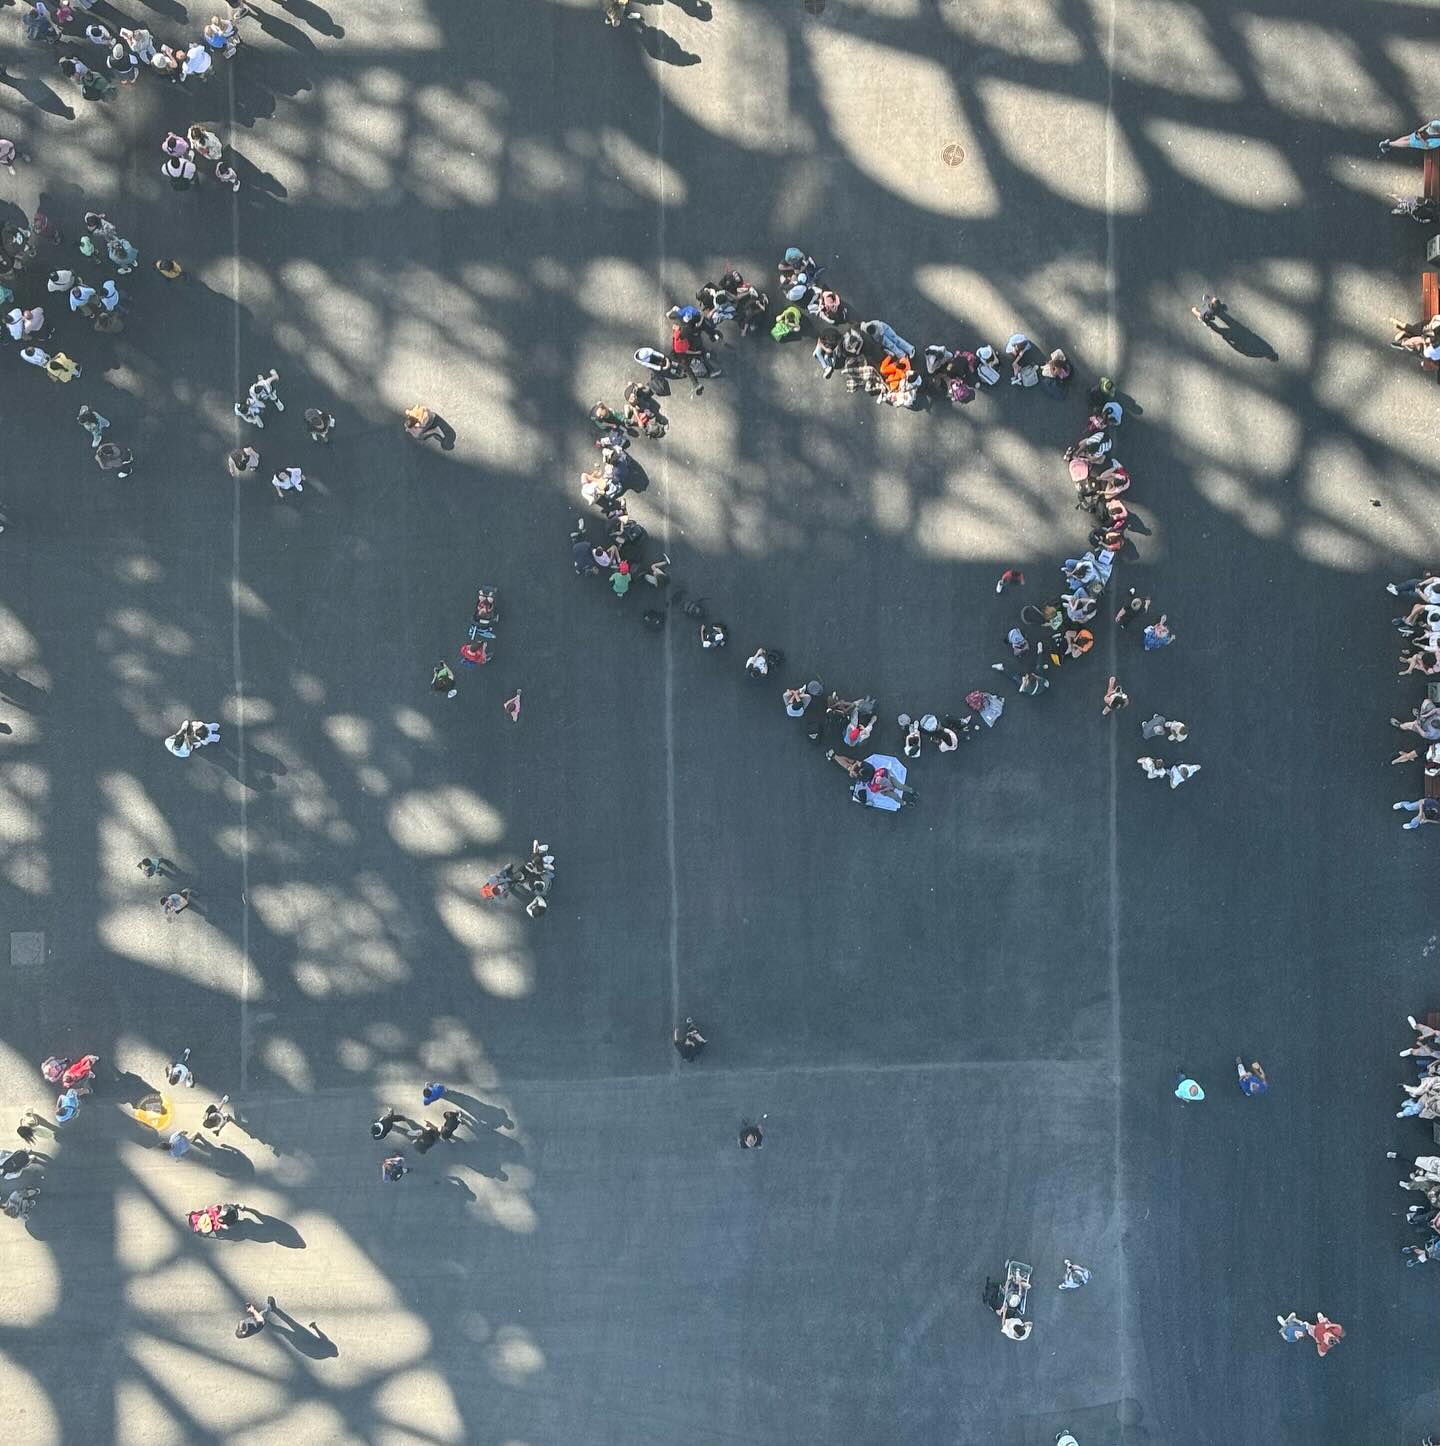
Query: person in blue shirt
point(1252, 1080)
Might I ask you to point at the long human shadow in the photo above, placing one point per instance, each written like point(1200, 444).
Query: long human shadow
point(37, 93)
point(665, 48)
point(316, 18)
point(310, 1341)
point(1239, 337)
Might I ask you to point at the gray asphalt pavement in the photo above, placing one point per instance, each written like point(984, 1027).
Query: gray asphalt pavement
point(962, 1023)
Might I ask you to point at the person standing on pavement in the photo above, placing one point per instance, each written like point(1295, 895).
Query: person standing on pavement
point(288, 479)
point(180, 1074)
point(93, 423)
point(1252, 1080)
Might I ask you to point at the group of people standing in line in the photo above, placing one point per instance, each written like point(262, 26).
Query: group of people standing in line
point(1418, 624)
point(1422, 1101)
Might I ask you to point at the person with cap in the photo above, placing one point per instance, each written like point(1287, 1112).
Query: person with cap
point(112, 457)
point(620, 579)
point(1186, 1089)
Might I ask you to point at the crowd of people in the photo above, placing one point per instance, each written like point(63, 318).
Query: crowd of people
point(1422, 1101)
point(100, 58)
point(1419, 627)
point(875, 360)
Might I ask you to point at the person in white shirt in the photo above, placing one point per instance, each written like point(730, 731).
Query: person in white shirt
point(288, 479)
point(15, 324)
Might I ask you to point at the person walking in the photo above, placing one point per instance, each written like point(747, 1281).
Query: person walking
point(288, 479)
point(393, 1168)
point(215, 1118)
point(1158, 635)
point(321, 424)
point(432, 1092)
point(1252, 1080)
point(1075, 1276)
point(1115, 698)
point(241, 461)
point(93, 423)
point(180, 1074)
point(450, 1121)
point(688, 1039)
point(442, 679)
point(1186, 1089)
point(253, 1321)
point(176, 903)
point(751, 1136)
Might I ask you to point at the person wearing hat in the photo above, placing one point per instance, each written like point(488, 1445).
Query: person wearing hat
point(620, 580)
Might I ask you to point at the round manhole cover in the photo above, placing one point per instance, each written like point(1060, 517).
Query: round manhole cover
point(815, 7)
point(953, 154)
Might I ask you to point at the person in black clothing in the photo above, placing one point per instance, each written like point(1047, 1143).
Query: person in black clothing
point(688, 1039)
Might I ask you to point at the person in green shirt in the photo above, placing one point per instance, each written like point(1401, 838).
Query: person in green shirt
point(443, 679)
point(620, 580)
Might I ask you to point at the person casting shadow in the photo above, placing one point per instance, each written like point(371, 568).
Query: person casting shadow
point(1236, 335)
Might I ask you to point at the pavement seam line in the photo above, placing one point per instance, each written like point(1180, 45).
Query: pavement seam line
point(1112, 289)
point(668, 651)
point(235, 654)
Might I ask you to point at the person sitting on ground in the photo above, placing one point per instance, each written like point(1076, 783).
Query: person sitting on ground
point(1423, 660)
point(1427, 1040)
point(855, 768)
point(1417, 337)
point(642, 411)
point(1423, 138)
point(827, 351)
